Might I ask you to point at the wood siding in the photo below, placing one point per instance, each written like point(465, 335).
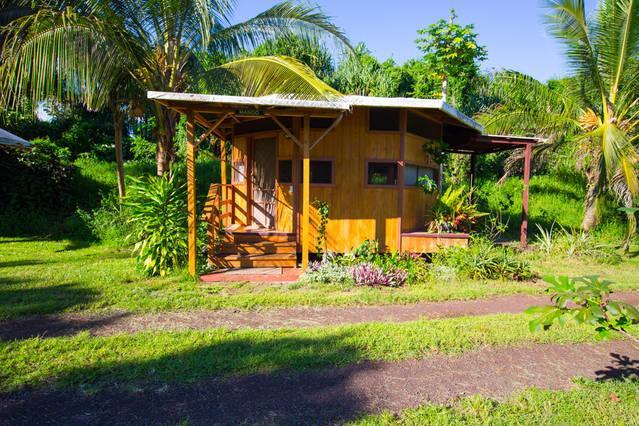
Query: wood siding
point(357, 211)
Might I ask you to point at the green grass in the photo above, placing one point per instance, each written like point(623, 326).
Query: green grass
point(47, 277)
point(554, 199)
point(601, 403)
point(188, 356)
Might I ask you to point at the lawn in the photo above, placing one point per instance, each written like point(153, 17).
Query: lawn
point(591, 403)
point(46, 277)
point(189, 356)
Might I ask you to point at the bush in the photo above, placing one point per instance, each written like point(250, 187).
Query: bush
point(110, 223)
point(327, 273)
point(38, 179)
point(482, 260)
point(158, 216)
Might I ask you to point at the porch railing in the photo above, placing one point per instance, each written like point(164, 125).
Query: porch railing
point(218, 209)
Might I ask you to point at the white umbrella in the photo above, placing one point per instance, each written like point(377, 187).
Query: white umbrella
point(10, 139)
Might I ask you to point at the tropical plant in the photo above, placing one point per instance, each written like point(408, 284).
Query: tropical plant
point(367, 274)
point(323, 211)
point(158, 215)
point(483, 260)
point(451, 52)
point(454, 211)
point(100, 52)
point(326, 272)
point(596, 110)
point(585, 300)
point(545, 238)
point(427, 184)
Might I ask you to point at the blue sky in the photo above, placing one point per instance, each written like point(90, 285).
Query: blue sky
point(512, 30)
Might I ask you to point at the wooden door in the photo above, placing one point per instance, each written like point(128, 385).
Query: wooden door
point(264, 199)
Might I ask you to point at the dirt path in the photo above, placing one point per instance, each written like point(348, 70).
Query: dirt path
point(329, 396)
point(125, 322)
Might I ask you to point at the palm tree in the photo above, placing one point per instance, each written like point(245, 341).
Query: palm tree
point(88, 50)
point(599, 113)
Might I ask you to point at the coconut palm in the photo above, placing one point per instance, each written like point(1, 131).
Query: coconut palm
point(599, 114)
point(89, 50)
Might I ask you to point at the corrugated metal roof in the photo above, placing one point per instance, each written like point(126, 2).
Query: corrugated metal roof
point(342, 103)
point(10, 139)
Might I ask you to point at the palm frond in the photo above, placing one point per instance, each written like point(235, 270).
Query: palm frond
point(285, 18)
point(279, 75)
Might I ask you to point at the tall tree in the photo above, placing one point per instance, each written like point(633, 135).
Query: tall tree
point(92, 49)
point(452, 54)
point(599, 113)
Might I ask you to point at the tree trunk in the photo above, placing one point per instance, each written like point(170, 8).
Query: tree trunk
point(165, 154)
point(445, 88)
point(118, 126)
point(591, 218)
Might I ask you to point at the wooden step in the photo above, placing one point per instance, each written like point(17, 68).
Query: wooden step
point(280, 260)
point(259, 237)
point(262, 247)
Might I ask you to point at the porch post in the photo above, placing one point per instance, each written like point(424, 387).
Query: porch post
point(306, 187)
point(190, 182)
point(472, 175)
point(524, 212)
point(223, 194)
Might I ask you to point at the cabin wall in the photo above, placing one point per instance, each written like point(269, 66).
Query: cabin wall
point(358, 211)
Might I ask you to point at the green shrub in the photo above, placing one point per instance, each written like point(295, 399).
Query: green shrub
point(327, 273)
point(38, 179)
point(158, 216)
point(482, 260)
point(110, 223)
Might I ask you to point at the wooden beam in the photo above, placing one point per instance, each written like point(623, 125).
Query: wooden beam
point(223, 179)
point(190, 181)
point(306, 196)
point(401, 180)
point(524, 204)
point(211, 128)
point(287, 131)
point(329, 130)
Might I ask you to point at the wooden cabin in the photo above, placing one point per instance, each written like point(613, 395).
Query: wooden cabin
point(362, 156)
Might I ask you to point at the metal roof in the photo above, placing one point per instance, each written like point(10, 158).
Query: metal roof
point(10, 139)
point(343, 103)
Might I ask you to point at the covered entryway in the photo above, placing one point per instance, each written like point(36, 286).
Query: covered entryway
point(263, 182)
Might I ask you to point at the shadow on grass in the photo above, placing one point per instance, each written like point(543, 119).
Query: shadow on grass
point(49, 327)
point(280, 396)
point(21, 300)
point(23, 262)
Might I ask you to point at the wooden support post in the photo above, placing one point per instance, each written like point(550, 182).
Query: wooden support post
point(306, 196)
point(472, 173)
point(401, 175)
point(524, 204)
point(190, 182)
point(223, 180)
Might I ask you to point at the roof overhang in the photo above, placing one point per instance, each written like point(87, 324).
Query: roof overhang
point(486, 144)
point(283, 105)
point(13, 141)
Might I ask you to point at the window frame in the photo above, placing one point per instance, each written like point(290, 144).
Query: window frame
point(420, 166)
point(277, 172)
point(383, 161)
point(324, 159)
point(388, 132)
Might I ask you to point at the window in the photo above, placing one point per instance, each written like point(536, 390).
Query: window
point(239, 172)
point(413, 173)
point(383, 119)
point(321, 172)
point(285, 171)
point(423, 127)
point(382, 174)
